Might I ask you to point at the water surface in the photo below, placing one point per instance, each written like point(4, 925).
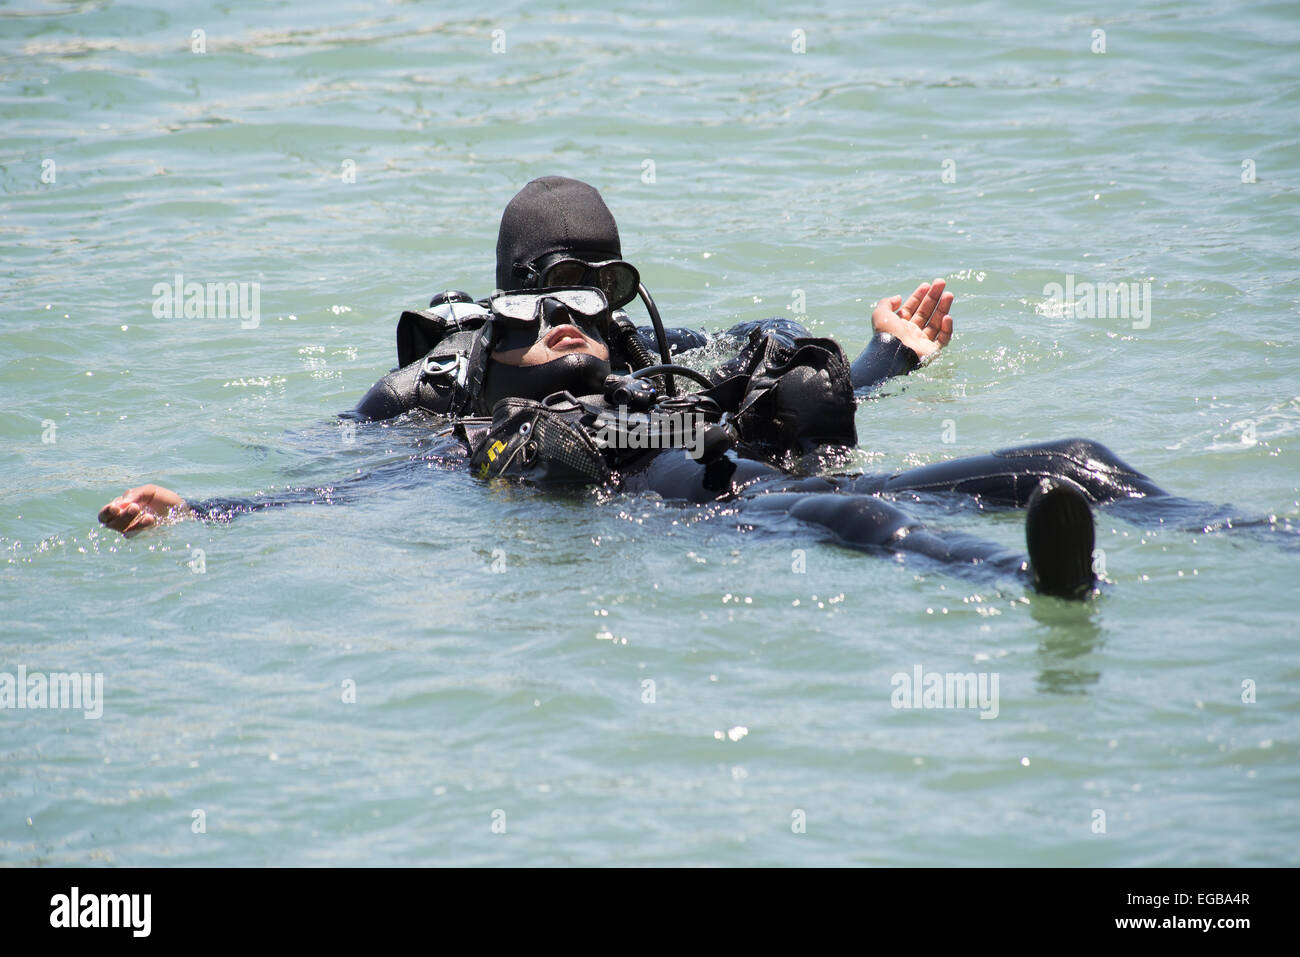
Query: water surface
point(524, 692)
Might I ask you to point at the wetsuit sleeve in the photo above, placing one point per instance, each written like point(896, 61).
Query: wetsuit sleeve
point(785, 330)
point(679, 340)
point(392, 395)
point(884, 357)
point(682, 340)
point(440, 451)
point(225, 509)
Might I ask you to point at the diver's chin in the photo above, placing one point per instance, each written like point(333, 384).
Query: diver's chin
point(579, 373)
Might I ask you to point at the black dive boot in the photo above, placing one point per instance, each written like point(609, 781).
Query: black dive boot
point(1060, 535)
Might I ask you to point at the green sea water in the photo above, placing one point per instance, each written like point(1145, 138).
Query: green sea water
point(642, 685)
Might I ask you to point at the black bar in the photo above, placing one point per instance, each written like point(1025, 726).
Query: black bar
point(959, 907)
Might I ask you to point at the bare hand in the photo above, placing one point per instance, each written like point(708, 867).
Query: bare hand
point(139, 508)
point(922, 323)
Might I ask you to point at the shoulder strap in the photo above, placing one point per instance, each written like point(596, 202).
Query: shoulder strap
point(450, 379)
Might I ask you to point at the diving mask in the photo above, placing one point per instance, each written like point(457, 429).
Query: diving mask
point(526, 316)
point(616, 278)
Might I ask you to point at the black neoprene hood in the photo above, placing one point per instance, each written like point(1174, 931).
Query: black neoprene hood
point(549, 215)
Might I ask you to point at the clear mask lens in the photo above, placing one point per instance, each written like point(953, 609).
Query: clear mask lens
point(526, 306)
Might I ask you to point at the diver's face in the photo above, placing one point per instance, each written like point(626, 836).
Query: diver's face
point(565, 340)
point(541, 327)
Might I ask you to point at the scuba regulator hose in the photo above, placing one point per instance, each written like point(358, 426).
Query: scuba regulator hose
point(699, 377)
point(661, 337)
point(629, 340)
point(636, 391)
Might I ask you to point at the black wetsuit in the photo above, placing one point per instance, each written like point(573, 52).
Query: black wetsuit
point(1005, 477)
point(847, 509)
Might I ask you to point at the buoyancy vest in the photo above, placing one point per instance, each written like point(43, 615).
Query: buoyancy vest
point(565, 439)
point(788, 398)
point(789, 401)
point(452, 340)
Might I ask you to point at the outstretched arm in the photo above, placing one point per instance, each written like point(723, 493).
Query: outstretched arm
point(149, 505)
point(143, 507)
point(905, 334)
point(146, 506)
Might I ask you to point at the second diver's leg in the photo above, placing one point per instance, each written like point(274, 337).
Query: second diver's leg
point(1010, 476)
point(1059, 534)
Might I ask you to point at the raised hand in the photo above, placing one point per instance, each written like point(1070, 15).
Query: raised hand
point(922, 323)
point(139, 508)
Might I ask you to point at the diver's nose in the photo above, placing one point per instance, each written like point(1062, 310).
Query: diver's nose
point(555, 313)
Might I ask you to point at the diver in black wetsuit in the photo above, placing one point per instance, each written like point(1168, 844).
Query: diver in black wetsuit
point(552, 359)
point(559, 232)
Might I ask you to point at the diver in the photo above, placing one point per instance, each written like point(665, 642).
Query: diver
point(549, 381)
point(558, 232)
